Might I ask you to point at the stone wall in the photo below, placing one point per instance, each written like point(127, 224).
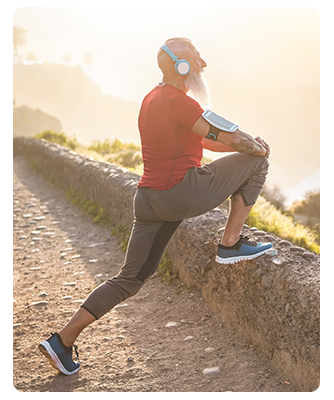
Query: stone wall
point(272, 302)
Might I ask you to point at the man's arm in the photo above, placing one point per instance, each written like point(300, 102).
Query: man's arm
point(217, 146)
point(238, 140)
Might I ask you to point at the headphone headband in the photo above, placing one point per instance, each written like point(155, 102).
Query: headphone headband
point(182, 67)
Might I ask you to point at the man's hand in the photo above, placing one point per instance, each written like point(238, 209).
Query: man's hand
point(264, 144)
point(238, 140)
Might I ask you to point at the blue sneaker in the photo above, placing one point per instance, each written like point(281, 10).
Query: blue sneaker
point(244, 249)
point(59, 356)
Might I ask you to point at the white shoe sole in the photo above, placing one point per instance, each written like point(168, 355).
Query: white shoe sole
point(48, 352)
point(233, 260)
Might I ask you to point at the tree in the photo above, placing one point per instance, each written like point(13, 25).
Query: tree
point(19, 38)
point(310, 206)
point(31, 57)
point(87, 59)
point(67, 57)
point(274, 195)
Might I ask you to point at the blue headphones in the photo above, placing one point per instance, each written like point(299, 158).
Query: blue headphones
point(182, 67)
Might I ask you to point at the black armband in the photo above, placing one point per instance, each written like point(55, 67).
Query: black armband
point(213, 133)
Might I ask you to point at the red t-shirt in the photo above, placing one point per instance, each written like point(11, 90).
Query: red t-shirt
point(169, 146)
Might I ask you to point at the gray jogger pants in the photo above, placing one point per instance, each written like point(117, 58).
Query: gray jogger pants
point(158, 213)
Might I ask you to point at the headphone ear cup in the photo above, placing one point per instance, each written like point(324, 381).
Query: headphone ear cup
point(182, 67)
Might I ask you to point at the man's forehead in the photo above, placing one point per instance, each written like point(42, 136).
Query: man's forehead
point(194, 50)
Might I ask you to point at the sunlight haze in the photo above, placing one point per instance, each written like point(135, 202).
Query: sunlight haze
point(263, 67)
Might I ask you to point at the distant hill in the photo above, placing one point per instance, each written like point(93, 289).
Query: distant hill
point(67, 93)
point(29, 122)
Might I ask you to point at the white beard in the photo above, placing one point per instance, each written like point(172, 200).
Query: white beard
point(199, 89)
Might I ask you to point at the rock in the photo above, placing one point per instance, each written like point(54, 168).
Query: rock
point(285, 243)
point(172, 324)
point(93, 261)
point(269, 238)
point(121, 306)
point(40, 228)
point(120, 337)
point(39, 218)
point(272, 253)
point(260, 233)
point(69, 283)
point(35, 251)
point(297, 249)
point(277, 261)
point(35, 232)
point(23, 237)
point(209, 350)
point(188, 338)
point(42, 294)
point(76, 256)
point(211, 371)
point(130, 358)
point(258, 273)
point(67, 298)
point(308, 254)
point(41, 303)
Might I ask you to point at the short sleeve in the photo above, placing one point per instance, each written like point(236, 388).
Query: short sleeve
point(185, 111)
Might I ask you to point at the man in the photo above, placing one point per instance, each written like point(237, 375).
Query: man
point(174, 186)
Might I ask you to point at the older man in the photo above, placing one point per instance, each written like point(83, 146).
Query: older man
point(174, 186)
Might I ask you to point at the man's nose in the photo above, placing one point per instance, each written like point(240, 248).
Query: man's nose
point(203, 63)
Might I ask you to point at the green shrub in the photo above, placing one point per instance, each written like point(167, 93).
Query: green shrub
point(99, 214)
point(266, 217)
point(59, 138)
point(127, 155)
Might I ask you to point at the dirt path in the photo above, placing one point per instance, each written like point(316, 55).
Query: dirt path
point(59, 257)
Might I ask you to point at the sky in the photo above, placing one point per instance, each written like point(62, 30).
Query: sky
point(124, 40)
point(251, 52)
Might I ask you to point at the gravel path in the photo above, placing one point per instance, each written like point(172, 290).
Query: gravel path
point(163, 339)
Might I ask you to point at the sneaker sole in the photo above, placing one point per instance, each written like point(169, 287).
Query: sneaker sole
point(48, 352)
point(233, 260)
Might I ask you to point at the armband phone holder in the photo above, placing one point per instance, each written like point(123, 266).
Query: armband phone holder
point(218, 124)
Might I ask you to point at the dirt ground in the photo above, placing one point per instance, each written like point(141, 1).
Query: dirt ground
point(59, 257)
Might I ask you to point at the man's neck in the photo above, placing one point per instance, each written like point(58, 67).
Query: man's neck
point(178, 85)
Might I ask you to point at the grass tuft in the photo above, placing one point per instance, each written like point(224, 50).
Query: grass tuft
point(266, 217)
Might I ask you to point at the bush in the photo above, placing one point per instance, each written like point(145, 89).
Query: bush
point(309, 207)
point(274, 195)
point(266, 217)
point(307, 212)
point(59, 138)
point(127, 155)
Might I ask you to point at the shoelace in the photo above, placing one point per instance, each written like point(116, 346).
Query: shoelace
point(76, 350)
point(247, 240)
